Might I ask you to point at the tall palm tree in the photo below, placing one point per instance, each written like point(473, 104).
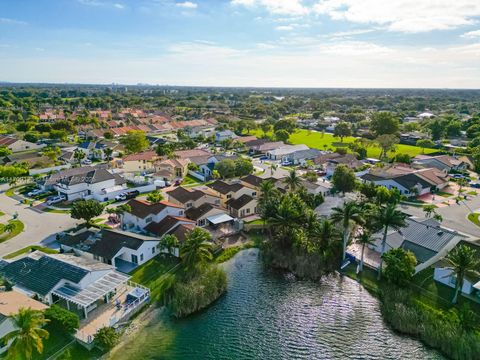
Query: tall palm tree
point(463, 261)
point(108, 153)
point(27, 336)
point(9, 227)
point(293, 180)
point(273, 168)
point(364, 239)
point(197, 249)
point(285, 218)
point(348, 216)
point(386, 217)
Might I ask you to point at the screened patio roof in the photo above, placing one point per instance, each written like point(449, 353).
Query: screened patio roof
point(219, 218)
point(93, 292)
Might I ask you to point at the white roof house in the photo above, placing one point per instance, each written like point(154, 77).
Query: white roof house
point(285, 150)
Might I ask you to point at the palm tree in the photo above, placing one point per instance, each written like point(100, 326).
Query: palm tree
point(349, 215)
point(386, 217)
point(27, 336)
point(197, 249)
point(9, 227)
point(293, 180)
point(463, 261)
point(108, 153)
point(364, 239)
point(285, 218)
point(273, 168)
point(79, 155)
point(429, 210)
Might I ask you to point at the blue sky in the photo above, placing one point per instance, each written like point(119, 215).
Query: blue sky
point(301, 43)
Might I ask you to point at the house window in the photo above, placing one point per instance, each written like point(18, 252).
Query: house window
point(229, 196)
point(148, 220)
point(96, 257)
point(134, 259)
point(141, 257)
point(217, 202)
point(188, 205)
point(254, 193)
point(153, 250)
point(248, 211)
point(201, 222)
point(180, 213)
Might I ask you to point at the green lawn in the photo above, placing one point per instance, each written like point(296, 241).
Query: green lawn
point(56, 211)
point(190, 180)
point(2, 213)
point(30, 249)
point(19, 226)
point(324, 141)
point(474, 218)
point(150, 273)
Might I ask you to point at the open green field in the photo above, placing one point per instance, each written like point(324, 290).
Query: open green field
point(324, 141)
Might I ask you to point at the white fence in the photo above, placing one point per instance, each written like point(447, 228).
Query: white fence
point(47, 170)
point(197, 175)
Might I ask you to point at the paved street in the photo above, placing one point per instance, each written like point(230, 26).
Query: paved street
point(265, 166)
point(454, 216)
point(40, 227)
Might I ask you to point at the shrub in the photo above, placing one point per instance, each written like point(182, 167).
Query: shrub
point(62, 318)
point(198, 293)
point(400, 266)
point(106, 338)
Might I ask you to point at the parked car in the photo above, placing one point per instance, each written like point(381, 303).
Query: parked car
point(459, 176)
point(56, 199)
point(127, 195)
point(87, 162)
point(178, 182)
point(475, 185)
point(286, 163)
point(35, 192)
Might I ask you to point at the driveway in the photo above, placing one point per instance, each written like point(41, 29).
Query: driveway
point(454, 215)
point(40, 227)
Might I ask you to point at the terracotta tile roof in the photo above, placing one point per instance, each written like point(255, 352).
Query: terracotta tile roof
point(146, 155)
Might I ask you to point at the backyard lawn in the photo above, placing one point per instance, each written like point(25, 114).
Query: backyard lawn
point(150, 273)
point(324, 141)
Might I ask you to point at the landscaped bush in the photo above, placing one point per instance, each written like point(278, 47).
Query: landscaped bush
point(106, 338)
point(62, 318)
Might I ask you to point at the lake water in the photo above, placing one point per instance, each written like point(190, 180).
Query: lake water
point(267, 315)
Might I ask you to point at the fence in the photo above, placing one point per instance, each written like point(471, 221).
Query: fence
point(47, 170)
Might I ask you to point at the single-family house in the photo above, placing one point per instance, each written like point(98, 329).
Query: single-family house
point(140, 162)
point(444, 163)
point(10, 304)
point(329, 162)
point(425, 238)
point(188, 198)
point(77, 283)
point(171, 169)
point(86, 182)
point(407, 180)
point(243, 206)
point(283, 153)
point(124, 250)
point(225, 134)
point(32, 158)
point(227, 191)
point(143, 213)
point(167, 225)
point(207, 214)
point(17, 145)
point(262, 146)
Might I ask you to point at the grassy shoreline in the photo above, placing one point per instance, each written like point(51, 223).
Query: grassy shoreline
point(431, 320)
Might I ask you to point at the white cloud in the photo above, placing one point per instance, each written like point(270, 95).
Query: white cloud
point(346, 34)
point(187, 5)
point(284, 28)
point(12, 21)
point(278, 7)
point(472, 34)
point(98, 3)
point(403, 15)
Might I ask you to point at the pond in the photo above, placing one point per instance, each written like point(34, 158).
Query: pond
point(267, 315)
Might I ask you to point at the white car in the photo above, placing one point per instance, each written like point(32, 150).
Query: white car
point(87, 162)
point(35, 192)
point(56, 199)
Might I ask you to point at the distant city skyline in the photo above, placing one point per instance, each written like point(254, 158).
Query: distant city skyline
point(247, 43)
